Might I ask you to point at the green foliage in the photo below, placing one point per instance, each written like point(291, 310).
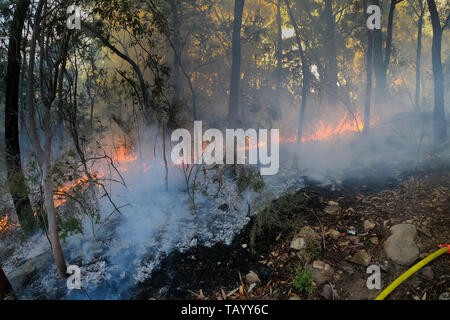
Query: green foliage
point(303, 281)
point(69, 226)
point(250, 178)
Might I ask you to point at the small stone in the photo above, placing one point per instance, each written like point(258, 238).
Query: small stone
point(445, 296)
point(298, 244)
point(321, 272)
point(308, 233)
point(369, 225)
point(348, 269)
point(327, 292)
point(361, 257)
point(244, 246)
point(333, 203)
point(334, 234)
point(374, 240)
point(333, 209)
point(251, 278)
point(319, 265)
point(427, 272)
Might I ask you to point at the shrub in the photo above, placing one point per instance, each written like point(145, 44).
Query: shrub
point(303, 281)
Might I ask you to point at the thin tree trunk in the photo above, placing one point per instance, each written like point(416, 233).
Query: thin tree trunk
point(419, 55)
point(279, 56)
point(233, 111)
point(16, 181)
point(6, 290)
point(378, 60)
point(148, 100)
point(331, 53)
point(369, 65)
point(440, 123)
point(176, 83)
point(166, 177)
point(382, 65)
point(43, 155)
point(306, 77)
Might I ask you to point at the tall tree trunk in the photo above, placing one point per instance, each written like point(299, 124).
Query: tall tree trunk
point(440, 123)
point(233, 110)
point(43, 155)
point(419, 54)
point(306, 84)
point(176, 79)
point(6, 290)
point(382, 65)
point(378, 60)
point(369, 65)
point(331, 54)
point(276, 112)
point(16, 181)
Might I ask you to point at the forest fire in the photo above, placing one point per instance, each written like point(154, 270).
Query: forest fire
point(148, 146)
point(62, 194)
point(348, 124)
point(121, 156)
point(6, 224)
point(124, 155)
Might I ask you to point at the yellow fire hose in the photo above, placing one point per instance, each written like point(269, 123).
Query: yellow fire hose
point(414, 269)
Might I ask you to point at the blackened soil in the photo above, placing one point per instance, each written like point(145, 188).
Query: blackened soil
point(203, 270)
point(200, 268)
point(182, 275)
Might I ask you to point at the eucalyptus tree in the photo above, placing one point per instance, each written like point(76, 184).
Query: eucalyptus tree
point(52, 36)
point(233, 108)
point(440, 122)
point(15, 176)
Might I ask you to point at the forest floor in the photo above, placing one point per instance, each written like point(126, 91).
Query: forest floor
point(331, 234)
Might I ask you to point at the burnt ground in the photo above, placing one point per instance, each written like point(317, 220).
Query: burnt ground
point(420, 197)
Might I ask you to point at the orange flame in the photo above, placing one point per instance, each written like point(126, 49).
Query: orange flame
point(5, 224)
point(345, 125)
point(124, 155)
point(61, 195)
point(348, 124)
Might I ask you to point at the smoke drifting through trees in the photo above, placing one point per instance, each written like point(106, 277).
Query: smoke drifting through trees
point(138, 70)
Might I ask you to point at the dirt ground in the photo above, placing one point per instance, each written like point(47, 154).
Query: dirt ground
point(420, 197)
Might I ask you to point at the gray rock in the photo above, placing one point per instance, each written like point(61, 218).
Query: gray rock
point(327, 291)
point(321, 272)
point(400, 246)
